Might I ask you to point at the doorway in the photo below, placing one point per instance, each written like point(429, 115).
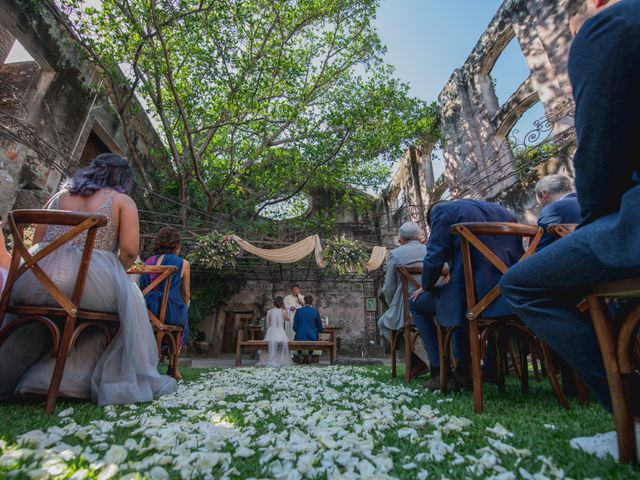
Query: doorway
point(233, 322)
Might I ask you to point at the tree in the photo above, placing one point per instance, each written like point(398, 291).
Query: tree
point(256, 100)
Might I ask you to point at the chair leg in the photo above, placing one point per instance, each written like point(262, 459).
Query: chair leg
point(407, 354)
point(582, 391)
point(551, 374)
point(61, 361)
point(476, 372)
point(618, 385)
point(534, 364)
point(443, 349)
point(502, 366)
point(394, 345)
point(524, 364)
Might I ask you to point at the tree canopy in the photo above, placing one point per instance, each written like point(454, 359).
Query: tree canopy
point(256, 100)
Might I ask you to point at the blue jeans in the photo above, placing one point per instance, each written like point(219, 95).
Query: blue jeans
point(423, 310)
point(544, 291)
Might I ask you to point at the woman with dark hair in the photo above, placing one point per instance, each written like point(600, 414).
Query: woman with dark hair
point(166, 251)
point(125, 371)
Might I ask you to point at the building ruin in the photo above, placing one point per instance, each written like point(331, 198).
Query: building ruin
point(54, 119)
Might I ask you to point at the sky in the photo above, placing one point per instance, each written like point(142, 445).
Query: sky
point(427, 39)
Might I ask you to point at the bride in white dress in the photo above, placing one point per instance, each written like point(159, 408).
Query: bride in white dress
point(278, 354)
point(125, 371)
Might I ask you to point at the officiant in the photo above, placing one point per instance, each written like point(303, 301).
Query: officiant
point(293, 302)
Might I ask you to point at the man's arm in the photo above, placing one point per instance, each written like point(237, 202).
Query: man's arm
point(438, 247)
point(549, 216)
point(605, 76)
point(390, 278)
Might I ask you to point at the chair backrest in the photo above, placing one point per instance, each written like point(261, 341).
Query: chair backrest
point(407, 276)
point(560, 230)
point(163, 272)
point(469, 236)
point(22, 260)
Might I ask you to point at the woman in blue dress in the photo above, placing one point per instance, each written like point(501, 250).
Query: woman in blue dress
point(166, 251)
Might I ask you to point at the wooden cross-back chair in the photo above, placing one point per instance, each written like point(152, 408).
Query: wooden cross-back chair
point(163, 332)
point(409, 331)
point(560, 230)
point(66, 309)
point(620, 349)
point(469, 235)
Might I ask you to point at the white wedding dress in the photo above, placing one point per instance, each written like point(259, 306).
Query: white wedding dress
point(125, 371)
point(278, 354)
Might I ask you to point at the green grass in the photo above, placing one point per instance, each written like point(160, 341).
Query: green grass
point(225, 410)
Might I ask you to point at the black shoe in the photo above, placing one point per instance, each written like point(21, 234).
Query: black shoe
point(457, 383)
point(434, 383)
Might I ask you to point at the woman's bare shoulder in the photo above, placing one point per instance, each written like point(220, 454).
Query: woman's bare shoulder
point(124, 200)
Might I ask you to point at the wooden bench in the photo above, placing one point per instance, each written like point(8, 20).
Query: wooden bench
point(254, 345)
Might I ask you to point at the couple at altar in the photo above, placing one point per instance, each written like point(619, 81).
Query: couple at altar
point(306, 325)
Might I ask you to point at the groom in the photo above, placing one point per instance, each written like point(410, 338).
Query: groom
point(307, 325)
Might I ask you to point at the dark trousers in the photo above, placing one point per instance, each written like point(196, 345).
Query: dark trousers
point(423, 311)
point(544, 291)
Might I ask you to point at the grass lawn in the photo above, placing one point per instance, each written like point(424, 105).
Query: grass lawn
point(306, 422)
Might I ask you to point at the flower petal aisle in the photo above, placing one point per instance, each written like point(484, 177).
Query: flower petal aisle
point(332, 422)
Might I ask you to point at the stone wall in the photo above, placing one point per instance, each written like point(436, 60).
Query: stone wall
point(477, 153)
point(6, 43)
point(51, 112)
point(343, 303)
point(476, 128)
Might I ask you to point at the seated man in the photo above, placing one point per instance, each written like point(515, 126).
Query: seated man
point(448, 301)
point(307, 325)
point(559, 203)
point(410, 251)
point(545, 289)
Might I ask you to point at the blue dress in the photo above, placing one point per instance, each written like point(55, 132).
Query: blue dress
point(176, 308)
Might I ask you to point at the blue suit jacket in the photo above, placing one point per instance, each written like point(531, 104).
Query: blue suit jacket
point(307, 323)
point(565, 210)
point(605, 75)
point(443, 246)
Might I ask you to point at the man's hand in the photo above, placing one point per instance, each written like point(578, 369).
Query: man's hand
point(417, 293)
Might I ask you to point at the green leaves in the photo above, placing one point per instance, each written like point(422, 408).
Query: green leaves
point(258, 100)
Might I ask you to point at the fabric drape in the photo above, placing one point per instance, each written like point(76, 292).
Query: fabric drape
point(298, 251)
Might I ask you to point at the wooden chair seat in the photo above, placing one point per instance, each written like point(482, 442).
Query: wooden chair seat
point(620, 349)
point(72, 319)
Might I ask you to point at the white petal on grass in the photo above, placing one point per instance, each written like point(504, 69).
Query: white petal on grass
point(499, 431)
point(109, 471)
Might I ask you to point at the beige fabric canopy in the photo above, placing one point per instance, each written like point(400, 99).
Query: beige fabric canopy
point(298, 251)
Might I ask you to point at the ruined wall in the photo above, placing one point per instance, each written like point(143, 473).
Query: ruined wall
point(50, 110)
point(478, 157)
point(477, 129)
point(408, 194)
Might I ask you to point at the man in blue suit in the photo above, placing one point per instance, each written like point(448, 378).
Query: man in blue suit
point(447, 301)
point(559, 204)
point(544, 290)
point(307, 324)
